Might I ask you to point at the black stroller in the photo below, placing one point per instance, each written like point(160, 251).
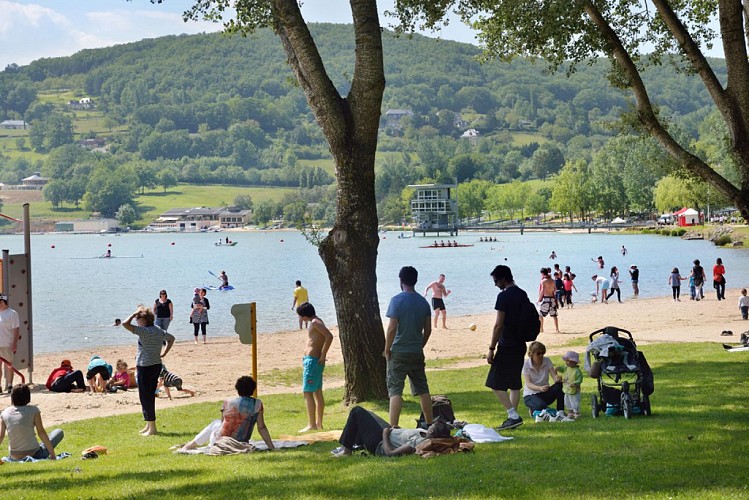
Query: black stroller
point(625, 381)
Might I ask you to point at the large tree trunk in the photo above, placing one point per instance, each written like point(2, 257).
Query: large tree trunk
point(350, 125)
point(350, 254)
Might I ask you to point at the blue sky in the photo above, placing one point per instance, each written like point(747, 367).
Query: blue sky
point(30, 30)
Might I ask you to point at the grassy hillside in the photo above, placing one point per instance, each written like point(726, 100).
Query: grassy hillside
point(152, 203)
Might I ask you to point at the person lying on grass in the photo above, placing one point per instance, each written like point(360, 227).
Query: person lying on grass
point(364, 428)
point(238, 418)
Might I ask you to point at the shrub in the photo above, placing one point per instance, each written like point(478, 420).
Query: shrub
point(722, 240)
point(678, 232)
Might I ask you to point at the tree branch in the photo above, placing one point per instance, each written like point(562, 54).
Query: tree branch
point(645, 111)
point(304, 59)
point(368, 83)
point(693, 53)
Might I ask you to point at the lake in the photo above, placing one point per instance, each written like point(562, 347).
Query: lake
point(75, 299)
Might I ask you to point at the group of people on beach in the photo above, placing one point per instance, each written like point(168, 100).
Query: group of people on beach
point(697, 279)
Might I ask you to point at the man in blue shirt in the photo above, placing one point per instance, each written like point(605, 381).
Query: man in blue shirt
point(407, 333)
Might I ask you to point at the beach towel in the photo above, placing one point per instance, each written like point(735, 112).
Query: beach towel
point(60, 456)
point(482, 434)
point(229, 446)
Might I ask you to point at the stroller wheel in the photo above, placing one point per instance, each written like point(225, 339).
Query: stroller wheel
point(626, 401)
point(594, 406)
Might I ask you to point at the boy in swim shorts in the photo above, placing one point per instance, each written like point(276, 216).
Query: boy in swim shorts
point(319, 340)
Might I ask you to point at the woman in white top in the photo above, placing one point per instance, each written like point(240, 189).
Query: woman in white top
point(20, 420)
point(537, 393)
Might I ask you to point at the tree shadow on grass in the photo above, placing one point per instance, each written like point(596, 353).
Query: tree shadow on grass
point(67, 210)
point(158, 194)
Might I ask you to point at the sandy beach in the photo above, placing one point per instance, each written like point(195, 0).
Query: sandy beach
point(212, 368)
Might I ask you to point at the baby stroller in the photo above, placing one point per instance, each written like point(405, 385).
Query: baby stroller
point(625, 381)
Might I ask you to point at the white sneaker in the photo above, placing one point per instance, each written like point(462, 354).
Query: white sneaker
point(559, 417)
point(543, 417)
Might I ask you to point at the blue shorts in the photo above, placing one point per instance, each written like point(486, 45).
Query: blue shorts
point(312, 374)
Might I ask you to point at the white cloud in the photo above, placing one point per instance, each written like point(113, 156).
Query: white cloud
point(31, 16)
point(33, 31)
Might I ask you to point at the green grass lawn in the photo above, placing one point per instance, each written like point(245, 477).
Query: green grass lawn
point(694, 445)
point(525, 138)
point(155, 202)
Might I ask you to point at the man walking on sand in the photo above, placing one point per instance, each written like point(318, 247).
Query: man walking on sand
point(408, 331)
point(439, 293)
point(300, 297)
point(10, 331)
point(319, 339)
point(506, 351)
point(547, 298)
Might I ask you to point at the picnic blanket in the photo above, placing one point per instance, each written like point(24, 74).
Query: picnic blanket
point(229, 446)
point(60, 456)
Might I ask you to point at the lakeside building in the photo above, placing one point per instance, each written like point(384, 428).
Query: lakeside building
point(433, 209)
point(89, 226)
point(201, 219)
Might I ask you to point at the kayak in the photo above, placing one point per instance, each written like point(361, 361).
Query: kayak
point(219, 288)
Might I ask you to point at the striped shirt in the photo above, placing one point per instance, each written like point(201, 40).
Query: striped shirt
point(170, 379)
point(150, 341)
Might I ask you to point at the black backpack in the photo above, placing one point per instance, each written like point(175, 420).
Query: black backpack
point(442, 408)
point(529, 324)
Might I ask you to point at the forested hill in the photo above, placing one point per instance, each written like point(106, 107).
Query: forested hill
point(216, 109)
point(422, 74)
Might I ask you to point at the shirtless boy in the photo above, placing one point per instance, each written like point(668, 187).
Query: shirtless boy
point(319, 339)
point(439, 292)
point(547, 298)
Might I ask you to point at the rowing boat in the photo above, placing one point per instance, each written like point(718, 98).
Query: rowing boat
point(230, 244)
point(447, 246)
point(111, 257)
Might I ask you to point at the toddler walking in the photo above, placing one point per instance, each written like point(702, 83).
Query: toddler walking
point(572, 378)
point(744, 304)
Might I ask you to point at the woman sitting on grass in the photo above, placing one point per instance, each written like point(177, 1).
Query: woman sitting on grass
point(537, 393)
point(238, 418)
point(20, 419)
